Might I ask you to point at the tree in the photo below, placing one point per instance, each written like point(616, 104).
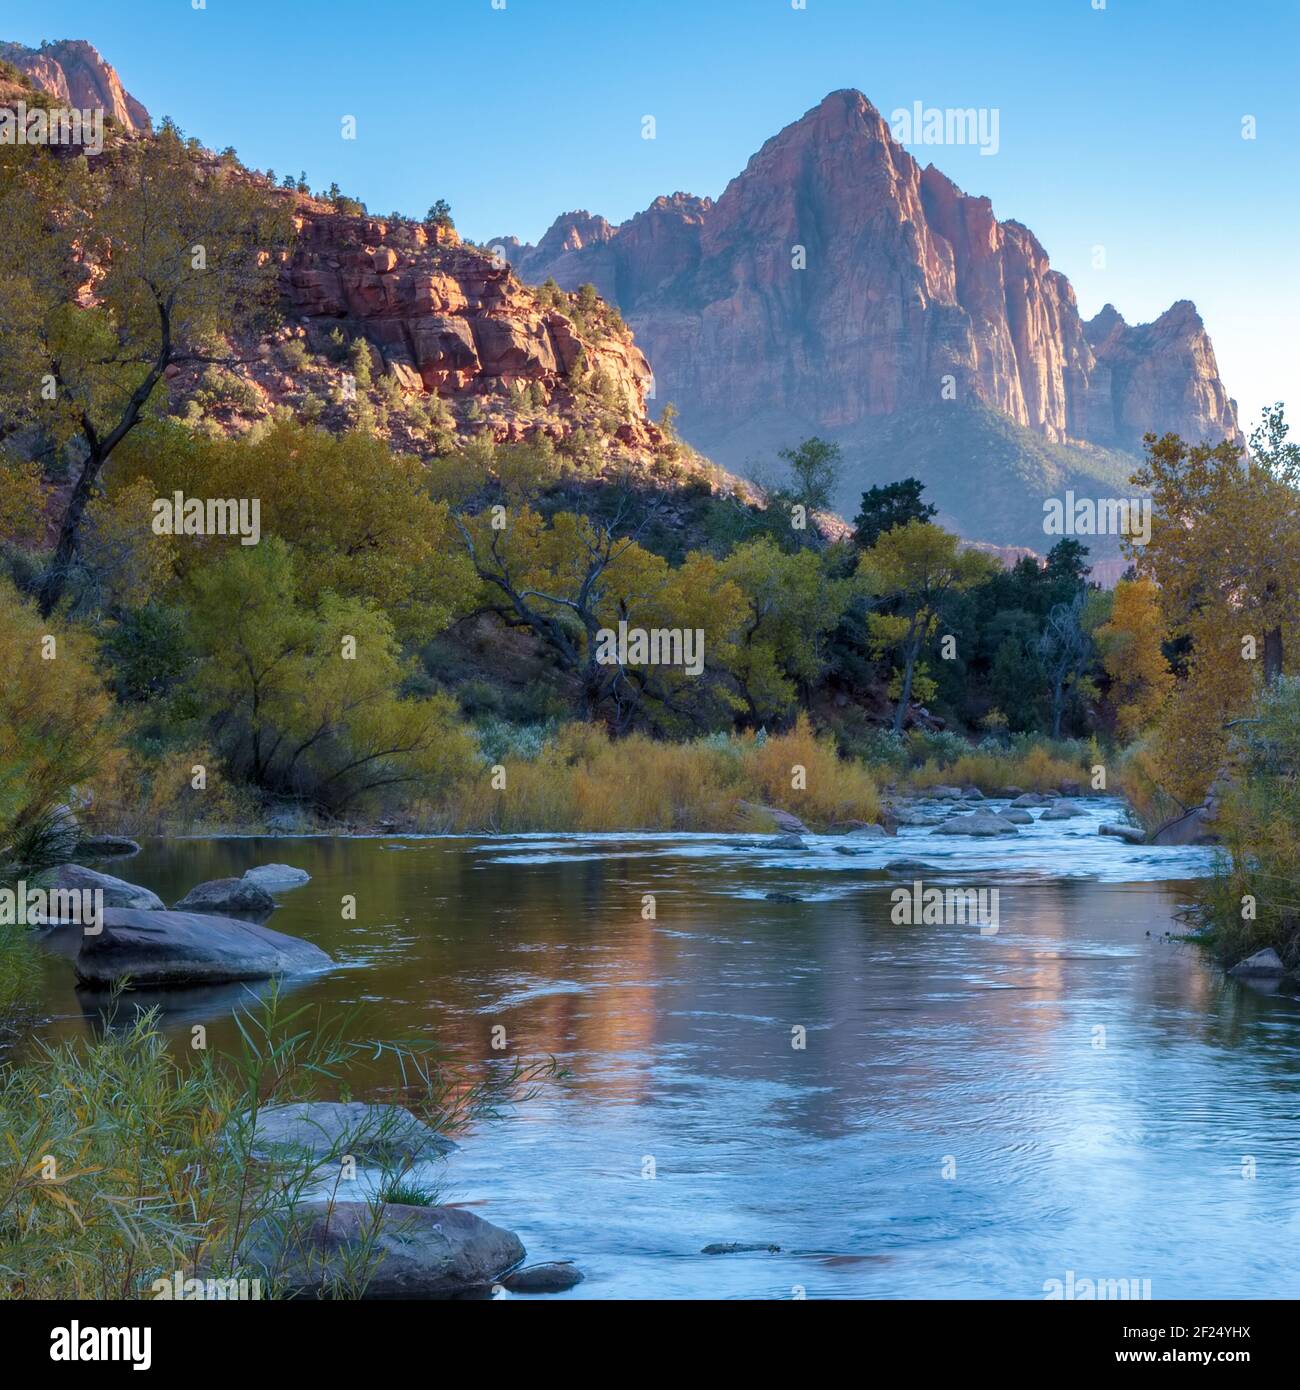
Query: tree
point(1225, 555)
point(1133, 657)
point(815, 465)
point(568, 579)
point(179, 262)
point(883, 508)
point(917, 566)
point(439, 214)
point(359, 517)
point(305, 697)
point(1065, 649)
point(794, 606)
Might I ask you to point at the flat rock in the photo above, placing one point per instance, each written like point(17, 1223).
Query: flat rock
point(105, 846)
point(907, 866)
point(378, 1134)
point(1029, 799)
point(553, 1277)
point(117, 891)
point(1265, 964)
point(152, 948)
point(407, 1252)
point(226, 895)
point(273, 876)
point(945, 793)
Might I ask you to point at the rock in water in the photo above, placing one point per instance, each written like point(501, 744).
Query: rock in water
point(105, 846)
point(981, 825)
point(554, 1277)
point(1265, 964)
point(117, 892)
point(226, 895)
point(787, 842)
point(736, 1247)
point(328, 1248)
point(153, 949)
point(1129, 833)
point(1061, 810)
point(379, 1134)
point(277, 876)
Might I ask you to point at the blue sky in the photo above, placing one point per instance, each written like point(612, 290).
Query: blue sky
point(1119, 127)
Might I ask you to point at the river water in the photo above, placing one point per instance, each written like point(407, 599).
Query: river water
point(969, 1114)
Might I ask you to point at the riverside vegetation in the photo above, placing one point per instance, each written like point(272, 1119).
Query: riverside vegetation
point(413, 639)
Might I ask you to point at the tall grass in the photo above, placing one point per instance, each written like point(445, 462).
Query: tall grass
point(1038, 769)
point(582, 780)
point(123, 1161)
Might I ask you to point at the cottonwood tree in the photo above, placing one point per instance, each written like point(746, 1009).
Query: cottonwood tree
point(1225, 555)
point(566, 579)
point(916, 567)
point(1065, 649)
point(110, 276)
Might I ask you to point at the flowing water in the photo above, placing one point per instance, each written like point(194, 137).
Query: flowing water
point(970, 1114)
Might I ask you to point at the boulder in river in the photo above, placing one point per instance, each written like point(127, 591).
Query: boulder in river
point(378, 1134)
point(1061, 810)
point(908, 866)
point(328, 1248)
point(117, 891)
point(1030, 799)
point(226, 895)
point(552, 1277)
point(105, 846)
point(972, 794)
point(1016, 816)
point(783, 820)
point(1009, 793)
point(277, 877)
point(1265, 964)
point(783, 897)
point(786, 842)
point(981, 825)
point(945, 793)
point(154, 949)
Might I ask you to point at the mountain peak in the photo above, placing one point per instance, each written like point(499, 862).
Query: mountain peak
point(72, 71)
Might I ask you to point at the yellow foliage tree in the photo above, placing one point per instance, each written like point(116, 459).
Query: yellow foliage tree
point(1131, 654)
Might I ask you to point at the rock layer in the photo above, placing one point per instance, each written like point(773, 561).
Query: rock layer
point(72, 71)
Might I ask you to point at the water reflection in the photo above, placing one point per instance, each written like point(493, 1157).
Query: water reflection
point(968, 1116)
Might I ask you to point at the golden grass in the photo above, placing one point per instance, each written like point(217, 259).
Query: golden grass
point(1037, 770)
point(585, 781)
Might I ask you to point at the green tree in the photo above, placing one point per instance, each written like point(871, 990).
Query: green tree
point(794, 607)
point(815, 468)
point(883, 508)
point(178, 253)
point(439, 214)
point(916, 567)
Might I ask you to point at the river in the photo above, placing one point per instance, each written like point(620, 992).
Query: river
point(925, 1111)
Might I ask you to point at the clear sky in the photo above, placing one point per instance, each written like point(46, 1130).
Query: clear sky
point(1119, 127)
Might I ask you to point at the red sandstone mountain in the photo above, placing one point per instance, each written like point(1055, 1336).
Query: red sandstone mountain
point(908, 282)
point(73, 72)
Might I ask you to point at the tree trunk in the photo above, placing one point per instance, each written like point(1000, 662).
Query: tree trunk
point(1272, 655)
point(54, 582)
point(913, 650)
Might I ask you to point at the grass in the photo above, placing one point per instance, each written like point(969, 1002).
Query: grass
point(581, 780)
point(123, 1161)
point(1037, 770)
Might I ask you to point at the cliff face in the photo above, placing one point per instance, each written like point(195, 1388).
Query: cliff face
point(72, 72)
point(450, 319)
point(911, 293)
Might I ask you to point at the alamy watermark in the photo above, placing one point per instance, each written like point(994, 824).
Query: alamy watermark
point(21, 906)
point(1075, 1288)
point(947, 125)
point(656, 646)
point(60, 125)
point(1098, 516)
point(946, 907)
point(179, 515)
